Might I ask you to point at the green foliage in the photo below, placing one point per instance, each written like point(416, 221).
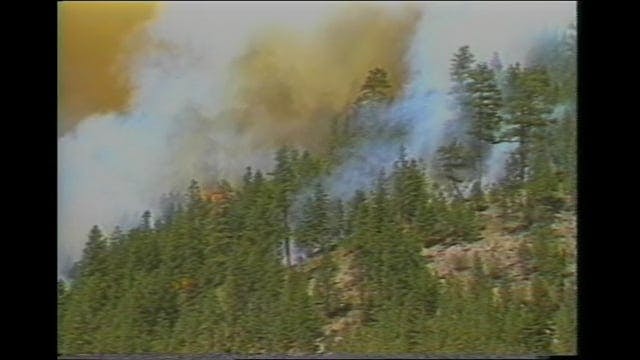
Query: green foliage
point(549, 259)
point(60, 310)
point(453, 162)
point(461, 64)
point(566, 323)
point(375, 87)
point(559, 56)
point(486, 103)
point(214, 274)
point(314, 230)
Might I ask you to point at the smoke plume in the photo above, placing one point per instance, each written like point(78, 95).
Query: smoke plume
point(424, 108)
point(95, 42)
point(213, 87)
point(218, 87)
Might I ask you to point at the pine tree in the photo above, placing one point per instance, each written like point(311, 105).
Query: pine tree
point(300, 324)
point(247, 178)
point(453, 163)
point(304, 229)
point(325, 292)
point(194, 196)
point(210, 277)
point(462, 77)
point(461, 65)
point(146, 220)
point(283, 177)
point(528, 100)
point(375, 87)
point(366, 121)
point(62, 290)
point(357, 213)
point(495, 64)
point(565, 323)
point(486, 103)
point(320, 215)
point(537, 329)
point(169, 205)
point(337, 221)
point(400, 182)
point(93, 254)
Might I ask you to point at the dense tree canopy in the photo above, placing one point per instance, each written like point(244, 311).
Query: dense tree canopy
point(276, 263)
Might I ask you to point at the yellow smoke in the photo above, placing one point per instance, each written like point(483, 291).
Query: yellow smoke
point(289, 86)
point(92, 54)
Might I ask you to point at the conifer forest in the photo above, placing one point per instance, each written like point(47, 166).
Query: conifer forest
point(331, 200)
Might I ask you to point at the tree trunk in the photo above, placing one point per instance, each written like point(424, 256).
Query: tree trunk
point(287, 242)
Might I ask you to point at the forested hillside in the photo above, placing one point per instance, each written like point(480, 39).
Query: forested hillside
point(435, 256)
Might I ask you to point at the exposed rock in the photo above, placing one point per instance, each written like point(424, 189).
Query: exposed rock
point(498, 249)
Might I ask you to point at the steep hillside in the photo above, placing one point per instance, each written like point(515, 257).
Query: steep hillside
point(364, 247)
point(502, 250)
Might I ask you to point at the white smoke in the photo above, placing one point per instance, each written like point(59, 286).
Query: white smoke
point(115, 166)
point(112, 167)
point(509, 28)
